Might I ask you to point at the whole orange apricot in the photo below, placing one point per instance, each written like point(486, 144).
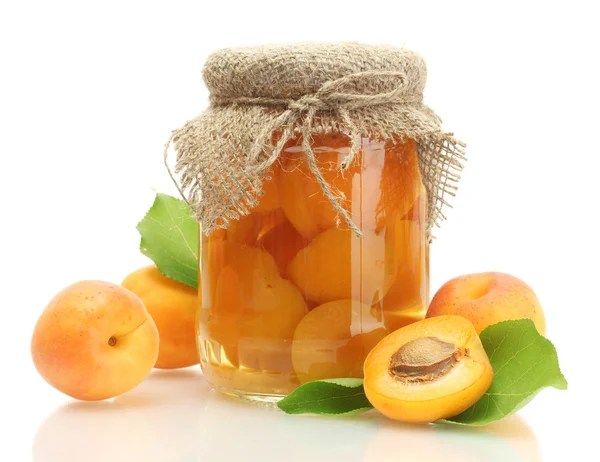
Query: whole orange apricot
point(172, 305)
point(94, 340)
point(432, 369)
point(488, 298)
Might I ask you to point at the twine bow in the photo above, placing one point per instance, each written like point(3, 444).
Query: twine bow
point(299, 114)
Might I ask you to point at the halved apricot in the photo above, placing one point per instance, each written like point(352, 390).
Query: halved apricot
point(338, 265)
point(419, 213)
point(213, 260)
point(270, 198)
point(383, 181)
point(253, 308)
point(399, 186)
point(407, 314)
point(249, 228)
point(432, 369)
point(302, 198)
point(409, 244)
point(283, 242)
point(333, 340)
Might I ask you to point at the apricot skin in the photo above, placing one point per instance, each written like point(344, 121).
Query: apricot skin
point(488, 298)
point(172, 306)
point(438, 399)
point(94, 340)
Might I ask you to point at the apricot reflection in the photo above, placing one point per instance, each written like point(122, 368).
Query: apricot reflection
point(175, 416)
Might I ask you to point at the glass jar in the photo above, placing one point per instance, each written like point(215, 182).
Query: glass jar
point(290, 294)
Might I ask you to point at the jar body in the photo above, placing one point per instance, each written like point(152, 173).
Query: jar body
point(290, 294)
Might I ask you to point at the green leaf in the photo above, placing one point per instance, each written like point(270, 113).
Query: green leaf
point(170, 239)
point(524, 363)
point(327, 397)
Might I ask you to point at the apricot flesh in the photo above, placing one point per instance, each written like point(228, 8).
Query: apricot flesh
point(172, 305)
point(337, 265)
point(488, 298)
point(430, 370)
point(333, 340)
point(94, 340)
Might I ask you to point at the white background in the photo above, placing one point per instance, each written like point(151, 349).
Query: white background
point(89, 92)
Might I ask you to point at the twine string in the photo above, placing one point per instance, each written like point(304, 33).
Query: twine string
point(263, 97)
point(333, 96)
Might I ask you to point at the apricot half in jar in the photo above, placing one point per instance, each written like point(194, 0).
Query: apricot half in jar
point(337, 265)
point(270, 197)
point(333, 340)
point(383, 181)
point(283, 242)
point(249, 228)
point(432, 369)
point(408, 239)
point(254, 310)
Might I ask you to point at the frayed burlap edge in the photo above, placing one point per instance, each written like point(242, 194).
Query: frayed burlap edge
point(223, 156)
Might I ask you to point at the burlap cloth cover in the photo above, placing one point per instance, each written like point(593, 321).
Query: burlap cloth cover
point(261, 97)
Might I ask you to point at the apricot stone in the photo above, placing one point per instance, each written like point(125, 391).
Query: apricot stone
point(432, 369)
point(333, 340)
point(94, 340)
point(488, 298)
point(337, 265)
point(172, 306)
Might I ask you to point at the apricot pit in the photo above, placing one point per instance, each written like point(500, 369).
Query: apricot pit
point(424, 360)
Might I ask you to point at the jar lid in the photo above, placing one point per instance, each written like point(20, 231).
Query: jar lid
point(294, 70)
point(261, 97)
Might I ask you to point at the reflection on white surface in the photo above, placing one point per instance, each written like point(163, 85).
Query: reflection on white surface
point(174, 416)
